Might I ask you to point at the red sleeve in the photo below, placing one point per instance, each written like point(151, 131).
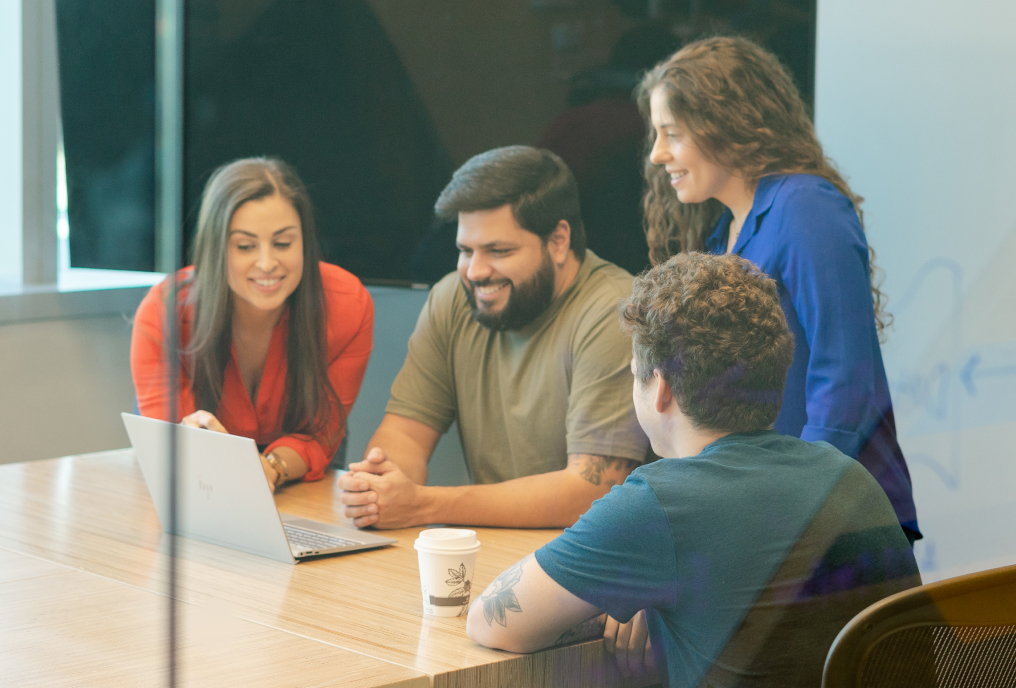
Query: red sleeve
point(148, 364)
point(350, 322)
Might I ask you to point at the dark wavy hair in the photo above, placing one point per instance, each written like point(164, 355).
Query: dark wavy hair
point(714, 328)
point(536, 183)
point(309, 392)
point(742, 110)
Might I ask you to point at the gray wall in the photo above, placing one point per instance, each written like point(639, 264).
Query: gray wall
point(64, 382)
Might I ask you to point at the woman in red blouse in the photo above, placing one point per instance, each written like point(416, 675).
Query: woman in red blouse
point(274, 343)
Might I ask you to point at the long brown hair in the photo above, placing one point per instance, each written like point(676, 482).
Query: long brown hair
point(309, 392)
point(742, 109)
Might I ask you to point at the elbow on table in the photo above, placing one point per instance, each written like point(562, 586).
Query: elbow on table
point(495, 636)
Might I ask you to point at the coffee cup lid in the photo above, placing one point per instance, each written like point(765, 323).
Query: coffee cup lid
point(447, 540)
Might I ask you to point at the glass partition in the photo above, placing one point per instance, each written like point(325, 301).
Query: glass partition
point(376, 102)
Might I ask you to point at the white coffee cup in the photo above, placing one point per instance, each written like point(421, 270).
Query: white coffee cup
point(447, 560)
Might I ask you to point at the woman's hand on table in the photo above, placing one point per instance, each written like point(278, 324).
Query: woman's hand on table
point(285, 465)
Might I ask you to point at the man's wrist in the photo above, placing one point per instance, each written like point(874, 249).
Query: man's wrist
point(436, 504)
point(429, 504)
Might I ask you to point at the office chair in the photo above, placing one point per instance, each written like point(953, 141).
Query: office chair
point(956, 633)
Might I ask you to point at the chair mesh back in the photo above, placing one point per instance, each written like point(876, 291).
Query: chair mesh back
point(942, 657)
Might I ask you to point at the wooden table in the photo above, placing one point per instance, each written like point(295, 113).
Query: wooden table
point(83, 580)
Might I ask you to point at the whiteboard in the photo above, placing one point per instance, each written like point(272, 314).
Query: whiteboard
point(915, 101)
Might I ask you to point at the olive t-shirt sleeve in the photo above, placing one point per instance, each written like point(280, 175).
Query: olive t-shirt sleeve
point(601, 418)
point(619, 557)
point(424, 389)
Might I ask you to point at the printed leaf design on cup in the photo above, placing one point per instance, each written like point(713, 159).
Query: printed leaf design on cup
point(499, 598)
point(459, 578)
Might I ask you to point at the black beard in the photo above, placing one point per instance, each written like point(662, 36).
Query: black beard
point(526, 301)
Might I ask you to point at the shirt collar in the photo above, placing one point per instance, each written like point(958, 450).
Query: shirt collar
point(765, 194)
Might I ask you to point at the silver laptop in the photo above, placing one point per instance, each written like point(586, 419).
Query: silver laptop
point(224, 497)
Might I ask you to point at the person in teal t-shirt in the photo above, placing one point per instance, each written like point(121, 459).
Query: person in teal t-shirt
point(737, 560)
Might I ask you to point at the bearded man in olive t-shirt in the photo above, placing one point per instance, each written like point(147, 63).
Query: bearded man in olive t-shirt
point(522, 348)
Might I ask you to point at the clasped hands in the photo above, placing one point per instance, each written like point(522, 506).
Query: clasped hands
point(377, 493)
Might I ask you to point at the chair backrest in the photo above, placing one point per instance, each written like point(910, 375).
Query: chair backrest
point(956, 633)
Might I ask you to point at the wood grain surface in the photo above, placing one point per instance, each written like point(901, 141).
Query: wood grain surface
point(80, 534)
point(78, 629)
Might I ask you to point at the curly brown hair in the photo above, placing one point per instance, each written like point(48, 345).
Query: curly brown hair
point(713, 327)
point(742, 109)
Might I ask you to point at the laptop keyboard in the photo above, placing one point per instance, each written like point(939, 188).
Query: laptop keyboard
point(308, 539)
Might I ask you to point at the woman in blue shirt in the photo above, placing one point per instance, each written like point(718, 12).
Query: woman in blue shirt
point(735, 167)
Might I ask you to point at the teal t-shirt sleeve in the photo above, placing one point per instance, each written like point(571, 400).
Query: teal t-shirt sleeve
point(619, 556)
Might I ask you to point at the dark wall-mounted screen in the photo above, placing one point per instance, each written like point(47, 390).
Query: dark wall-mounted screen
point(376, 102)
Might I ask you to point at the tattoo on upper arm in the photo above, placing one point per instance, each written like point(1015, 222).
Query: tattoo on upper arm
point(588, 629)
point(594, 467)
point(499, 598)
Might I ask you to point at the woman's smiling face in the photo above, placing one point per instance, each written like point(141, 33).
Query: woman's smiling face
point(265, 253)
point(694, 176)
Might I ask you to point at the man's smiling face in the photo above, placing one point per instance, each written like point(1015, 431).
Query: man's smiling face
point(506, 270)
